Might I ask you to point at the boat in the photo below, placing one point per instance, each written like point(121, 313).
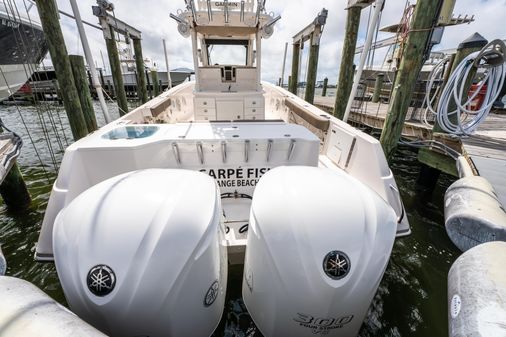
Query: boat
point(23, 48)
point(148, 212)
point(43, 83)
point(129, 74)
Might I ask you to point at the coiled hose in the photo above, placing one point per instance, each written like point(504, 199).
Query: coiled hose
point(492, 59)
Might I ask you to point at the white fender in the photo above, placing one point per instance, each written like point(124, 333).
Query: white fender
point(27, 311)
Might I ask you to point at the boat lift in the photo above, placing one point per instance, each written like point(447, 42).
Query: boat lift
point(313, 33)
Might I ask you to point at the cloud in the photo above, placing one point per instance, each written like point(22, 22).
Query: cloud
point(152, 18)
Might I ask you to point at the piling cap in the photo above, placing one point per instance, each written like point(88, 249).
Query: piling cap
point(473, 41)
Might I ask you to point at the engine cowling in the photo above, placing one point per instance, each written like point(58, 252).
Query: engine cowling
point(318, 245)
point(141, 254)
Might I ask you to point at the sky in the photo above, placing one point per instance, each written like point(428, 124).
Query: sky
point(151, 17)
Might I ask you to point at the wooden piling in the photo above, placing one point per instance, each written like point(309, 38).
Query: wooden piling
point(117, 77)
point(110, 88)
point(411, 63)
point(141, 75)
point(325, 84)
point(48, 13)
point(90, 81)
point(378, 86)
point(312, 70)
point(289, 81)
point(156, 85)
point(14, 191)
point(83, 90)
point(295, 68)
point(102, 82)
point(345, 81)
point(150, 91)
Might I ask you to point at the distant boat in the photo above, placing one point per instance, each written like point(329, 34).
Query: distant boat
point(22, 48)
point(177, 76)
point(42, 82)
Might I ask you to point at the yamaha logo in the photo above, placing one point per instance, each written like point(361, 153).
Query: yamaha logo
point(101, 280)
point(212, 294)
point(336, 265)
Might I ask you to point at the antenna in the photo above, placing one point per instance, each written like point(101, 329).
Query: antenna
point(209, 10)
point(242, 11)
point(225, 9)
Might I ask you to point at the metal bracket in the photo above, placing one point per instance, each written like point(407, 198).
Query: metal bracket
point(109, 22)
point(313, 30)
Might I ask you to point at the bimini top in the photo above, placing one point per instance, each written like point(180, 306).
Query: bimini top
point(225, 18)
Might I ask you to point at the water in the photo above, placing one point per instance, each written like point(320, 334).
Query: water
point(411, 300)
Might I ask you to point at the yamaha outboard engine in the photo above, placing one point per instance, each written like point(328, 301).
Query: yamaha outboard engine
point(318, 245)
point(141, 254)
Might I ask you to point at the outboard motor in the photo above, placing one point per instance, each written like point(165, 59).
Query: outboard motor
point(141, 254)
point(319, 242)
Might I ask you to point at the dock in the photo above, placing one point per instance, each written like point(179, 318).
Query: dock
point(487, 156)
point(485, 151)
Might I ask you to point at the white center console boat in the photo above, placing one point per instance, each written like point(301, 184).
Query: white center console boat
point(147, 212)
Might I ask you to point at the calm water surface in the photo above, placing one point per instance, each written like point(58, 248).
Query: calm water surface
point(411, 300)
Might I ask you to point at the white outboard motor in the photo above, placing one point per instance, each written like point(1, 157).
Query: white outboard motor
point(318, 244)
point(141, 254)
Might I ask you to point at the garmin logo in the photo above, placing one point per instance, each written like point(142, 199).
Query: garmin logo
point(222, 4)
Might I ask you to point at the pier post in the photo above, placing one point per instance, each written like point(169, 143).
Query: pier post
point(83, 90)
point(156, 86)
point(14, 191)
point(110, 88)
point(295, 68)
point(411, 63)
point(325, 84)
point(289, 81)
point(90, 81)
point(150, 91)
point(345, 81)
point(312, 70)
point(101, 74)
point(142, 91)
point(117, 77)
point(378, 86)
point(48, 13)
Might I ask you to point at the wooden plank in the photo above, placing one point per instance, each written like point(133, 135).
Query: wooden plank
point(494, 170)
point(438, 161)
point(489, 157)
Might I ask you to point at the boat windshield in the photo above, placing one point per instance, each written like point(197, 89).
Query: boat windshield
point(227, 52)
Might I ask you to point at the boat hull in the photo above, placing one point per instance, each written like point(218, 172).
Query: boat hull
point(23, 47)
